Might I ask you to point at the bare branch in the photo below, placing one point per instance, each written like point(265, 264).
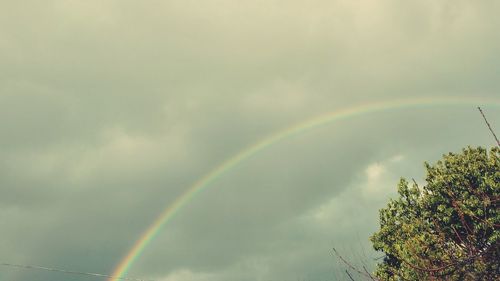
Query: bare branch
point(352, 267)
point(348, 274)
point(489, 126)
point(371, 277)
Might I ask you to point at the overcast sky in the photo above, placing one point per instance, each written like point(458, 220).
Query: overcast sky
point(109, 110)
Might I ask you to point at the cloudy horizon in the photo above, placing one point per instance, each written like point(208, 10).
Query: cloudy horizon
point(110, 110)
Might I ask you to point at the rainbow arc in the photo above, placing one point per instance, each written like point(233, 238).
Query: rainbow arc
point(329, 118)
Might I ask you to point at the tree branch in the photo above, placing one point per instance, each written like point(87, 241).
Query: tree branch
point(489, 126)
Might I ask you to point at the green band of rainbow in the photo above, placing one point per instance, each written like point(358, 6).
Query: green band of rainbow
point(149, 234)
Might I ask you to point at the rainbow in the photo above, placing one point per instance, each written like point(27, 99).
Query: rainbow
point(149, 234)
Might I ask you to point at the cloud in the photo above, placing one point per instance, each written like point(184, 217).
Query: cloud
point(110, 110)
point(374, 171)
point(185, 275)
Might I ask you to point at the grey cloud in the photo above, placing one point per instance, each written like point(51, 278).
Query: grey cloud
point(110, 110)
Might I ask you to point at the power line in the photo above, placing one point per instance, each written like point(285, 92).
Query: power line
point(24, 266)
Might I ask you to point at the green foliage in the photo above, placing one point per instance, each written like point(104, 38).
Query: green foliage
point(447, 229)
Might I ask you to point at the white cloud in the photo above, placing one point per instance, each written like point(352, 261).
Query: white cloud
point(125, 153)
point(374, 172)
point(380, 177)
point(187, 275)
point(397, 158)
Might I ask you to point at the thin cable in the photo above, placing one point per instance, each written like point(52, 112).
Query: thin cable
point(489, 127)
point(23, 266)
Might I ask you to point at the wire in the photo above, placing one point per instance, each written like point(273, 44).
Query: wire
point(23, 266)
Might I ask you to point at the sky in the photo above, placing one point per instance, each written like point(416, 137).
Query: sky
point(111, 110)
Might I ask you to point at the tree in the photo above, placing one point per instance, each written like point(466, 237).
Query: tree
point(449, 228)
